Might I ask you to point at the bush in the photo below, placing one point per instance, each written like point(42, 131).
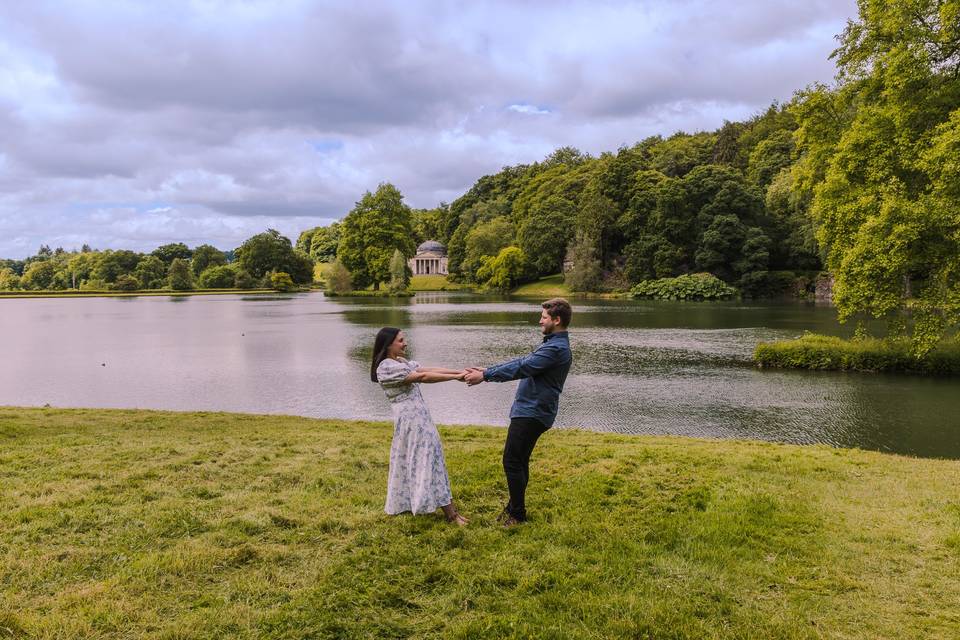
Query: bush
point(339, 280)
point(126, 283)
point(829, 353)
point(695, 286)
point(243, 280)
point(281, 281)
point(217, 277)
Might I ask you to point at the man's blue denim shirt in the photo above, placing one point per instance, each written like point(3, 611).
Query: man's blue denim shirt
point(542, 374)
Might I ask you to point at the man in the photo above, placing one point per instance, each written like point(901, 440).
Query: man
point(541, 374)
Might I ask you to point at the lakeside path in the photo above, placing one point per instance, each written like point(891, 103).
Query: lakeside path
point(120, 524)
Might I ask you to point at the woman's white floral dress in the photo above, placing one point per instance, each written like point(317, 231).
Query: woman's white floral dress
point(417, 480)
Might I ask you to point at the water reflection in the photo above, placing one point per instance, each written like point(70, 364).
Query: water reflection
point(660, 368)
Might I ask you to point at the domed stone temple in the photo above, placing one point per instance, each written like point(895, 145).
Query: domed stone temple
point(431, 259)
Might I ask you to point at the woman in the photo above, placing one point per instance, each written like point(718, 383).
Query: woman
point(418, 479)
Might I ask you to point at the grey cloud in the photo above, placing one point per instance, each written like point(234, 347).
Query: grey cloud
point(211, 108)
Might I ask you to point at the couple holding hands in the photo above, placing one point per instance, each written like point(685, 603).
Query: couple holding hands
point(417, 480)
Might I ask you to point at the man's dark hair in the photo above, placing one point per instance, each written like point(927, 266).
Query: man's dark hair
point(385, 338)
point(559, 309)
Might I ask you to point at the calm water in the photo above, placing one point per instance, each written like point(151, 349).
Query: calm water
point(639, 367)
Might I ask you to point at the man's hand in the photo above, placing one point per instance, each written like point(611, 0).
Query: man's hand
point(474, 376)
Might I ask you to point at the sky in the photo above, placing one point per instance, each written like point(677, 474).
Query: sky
point(134, 124)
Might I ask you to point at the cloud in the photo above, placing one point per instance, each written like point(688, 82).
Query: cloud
point(203, 121)
point(528, 109)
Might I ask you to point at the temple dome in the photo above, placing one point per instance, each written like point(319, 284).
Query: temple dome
point(432, 246)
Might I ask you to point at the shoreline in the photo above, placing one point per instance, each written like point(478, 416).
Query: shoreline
point(582, 430)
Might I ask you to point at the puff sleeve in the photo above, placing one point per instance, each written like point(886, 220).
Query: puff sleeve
point(392, 373)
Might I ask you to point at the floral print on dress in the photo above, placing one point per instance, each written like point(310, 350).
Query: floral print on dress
point(417, 480)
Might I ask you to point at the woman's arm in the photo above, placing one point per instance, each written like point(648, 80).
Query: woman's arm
point(427, 376)
point(439, 370)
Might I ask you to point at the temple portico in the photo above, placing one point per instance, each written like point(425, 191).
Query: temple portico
point(431, 259)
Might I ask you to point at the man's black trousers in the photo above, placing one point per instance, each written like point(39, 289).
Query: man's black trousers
point(521, 438)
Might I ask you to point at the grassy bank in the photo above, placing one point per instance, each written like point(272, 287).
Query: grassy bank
point(830, 353)
point(549, 287)
point(436, 283)
point(122, 524)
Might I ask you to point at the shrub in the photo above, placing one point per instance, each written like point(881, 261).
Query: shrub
point(126, 283)
point(695, 286)
point(339, 280)
point(217, 277)
point(243, 280)
point(829, 353)
point(281, 281)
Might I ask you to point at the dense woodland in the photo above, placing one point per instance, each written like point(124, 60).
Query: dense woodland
point(860, 178)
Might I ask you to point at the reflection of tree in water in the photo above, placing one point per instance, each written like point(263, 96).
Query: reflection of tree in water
point(378, 317)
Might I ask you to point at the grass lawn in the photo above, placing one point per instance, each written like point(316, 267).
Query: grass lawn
point(138, 524)
point(549, 287)
point(435, 283)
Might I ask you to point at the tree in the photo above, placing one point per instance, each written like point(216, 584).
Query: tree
point(151, 272)
point(754, 262)
point(544, 235)
point(218, 277)
point(429, 224)
point(270, 251)
point(323, 243)
point(379, 224)
point(485, 240)
point(720, 246)
point(110, 265)
point(281, 281)
point(80, 267)
point(769, 157)
point(169, 252)
point(878, 162)
point(38, 276)
point(399, 272)
point(505, 270)
point(126, 283)
point(179, 276)
point(9, 280)
point(586, 273)
point(206, 256)
point(339, 279)
point(242, 278)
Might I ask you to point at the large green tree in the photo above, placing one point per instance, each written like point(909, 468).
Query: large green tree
point(379, 224)
point(206, 256)
point(169, 252)
point(271, 251)
point(879, 164)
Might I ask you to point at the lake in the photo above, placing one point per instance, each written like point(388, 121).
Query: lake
point(639, 367)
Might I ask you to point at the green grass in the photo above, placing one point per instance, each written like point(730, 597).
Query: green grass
point(139, 524)
point(819, 352)
point(436, 283)
point(551, 286)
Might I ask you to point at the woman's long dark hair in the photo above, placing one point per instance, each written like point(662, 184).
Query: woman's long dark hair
point(385, 338)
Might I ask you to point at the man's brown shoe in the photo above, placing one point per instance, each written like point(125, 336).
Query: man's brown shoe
point(511, 522)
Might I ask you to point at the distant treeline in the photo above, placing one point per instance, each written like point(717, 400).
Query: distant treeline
point(255, 263)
